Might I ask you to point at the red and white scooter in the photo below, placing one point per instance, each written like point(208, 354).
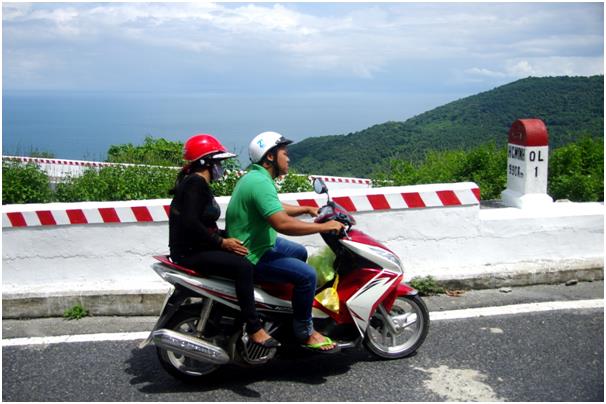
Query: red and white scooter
point(198, 329)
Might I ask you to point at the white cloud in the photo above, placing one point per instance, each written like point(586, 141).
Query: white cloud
point(361, 40)
point(521, 68)
point(556, 66)
point(479, 71)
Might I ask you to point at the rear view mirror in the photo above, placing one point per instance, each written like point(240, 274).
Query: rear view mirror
point(320, 186)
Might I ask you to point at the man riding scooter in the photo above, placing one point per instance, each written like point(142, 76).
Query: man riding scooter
point(255, 215)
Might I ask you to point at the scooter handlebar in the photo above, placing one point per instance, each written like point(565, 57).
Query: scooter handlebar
point(334, 211)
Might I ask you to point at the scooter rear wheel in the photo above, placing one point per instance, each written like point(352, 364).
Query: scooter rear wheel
point(180, 366)
point(400, 332)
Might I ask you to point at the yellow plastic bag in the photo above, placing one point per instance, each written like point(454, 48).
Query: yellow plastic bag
point(329, 297)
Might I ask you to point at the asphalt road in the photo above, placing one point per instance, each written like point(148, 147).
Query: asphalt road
point(538, 356)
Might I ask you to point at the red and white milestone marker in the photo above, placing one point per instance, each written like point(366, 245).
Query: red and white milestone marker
point(527, 154)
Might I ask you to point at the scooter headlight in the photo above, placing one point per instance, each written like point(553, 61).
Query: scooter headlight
point(392, 258)
point(377, 255)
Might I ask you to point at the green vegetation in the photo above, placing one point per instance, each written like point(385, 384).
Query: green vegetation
point(571, 107)
point(294, 182)
point(75, 313)
point(576, 171)
point(24, 184)
point(156, 152)
point(426, 286)
point(159, 152)
point(484, 165)
point(117, 184)
point(29, 184)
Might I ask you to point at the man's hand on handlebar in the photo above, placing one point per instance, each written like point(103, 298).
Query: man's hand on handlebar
point(332, 226)
point(312, 211)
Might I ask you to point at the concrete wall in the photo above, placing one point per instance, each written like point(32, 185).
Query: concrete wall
point(458, 243)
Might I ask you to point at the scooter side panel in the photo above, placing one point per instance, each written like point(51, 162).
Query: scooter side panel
point(365, 301)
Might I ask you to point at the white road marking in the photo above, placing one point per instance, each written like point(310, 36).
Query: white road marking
point(516, 309)
point(60, 339)
point(434, 316)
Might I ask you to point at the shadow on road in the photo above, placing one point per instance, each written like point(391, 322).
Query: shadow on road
point(293, 367)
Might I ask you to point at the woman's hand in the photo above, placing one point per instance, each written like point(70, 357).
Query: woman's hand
point(234, 245)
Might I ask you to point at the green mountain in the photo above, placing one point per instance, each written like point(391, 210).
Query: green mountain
point(570, 107)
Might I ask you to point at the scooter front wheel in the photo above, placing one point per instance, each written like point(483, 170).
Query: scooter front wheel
point(180, 366)
point(399, 332)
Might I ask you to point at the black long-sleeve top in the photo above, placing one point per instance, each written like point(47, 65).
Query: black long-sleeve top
point(193, 218)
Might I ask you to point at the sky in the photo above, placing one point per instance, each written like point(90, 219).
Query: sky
point(287, 48)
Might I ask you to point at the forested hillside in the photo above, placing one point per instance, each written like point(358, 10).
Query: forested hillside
point(570, 106)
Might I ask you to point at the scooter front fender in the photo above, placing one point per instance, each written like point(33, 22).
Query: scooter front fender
point(403, 289)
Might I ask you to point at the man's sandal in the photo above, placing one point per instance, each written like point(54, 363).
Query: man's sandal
point(318, 347)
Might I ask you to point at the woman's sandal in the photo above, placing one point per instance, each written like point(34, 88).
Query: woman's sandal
point(318, 347)
point(269, 343)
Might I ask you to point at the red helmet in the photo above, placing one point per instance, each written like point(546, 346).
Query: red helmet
point(201, 145)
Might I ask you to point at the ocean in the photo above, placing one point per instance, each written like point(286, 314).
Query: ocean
point(83, 125)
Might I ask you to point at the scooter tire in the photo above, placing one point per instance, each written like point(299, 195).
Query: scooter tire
point(178, 366)
point(378, 335)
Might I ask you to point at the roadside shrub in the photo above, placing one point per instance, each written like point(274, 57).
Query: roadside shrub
point(576, 171)
point(159, 152)
point(485, 165)
point(294, 182)
point(24, 184)
point(118, 184)
point(226, 186)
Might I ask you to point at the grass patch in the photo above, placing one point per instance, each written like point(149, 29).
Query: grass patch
point(427, 286)
point(75, 313)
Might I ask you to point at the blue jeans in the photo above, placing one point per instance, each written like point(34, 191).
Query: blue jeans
point(285, 262)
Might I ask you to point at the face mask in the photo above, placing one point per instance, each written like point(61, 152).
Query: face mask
point(217, 171)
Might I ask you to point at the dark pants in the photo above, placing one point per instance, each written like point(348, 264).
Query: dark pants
point(228, 265)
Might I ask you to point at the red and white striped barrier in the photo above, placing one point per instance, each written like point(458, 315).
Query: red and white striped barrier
point(362, 200)
point(76, 163)
point(408, 197)
point(342, 180)
point(63, 162)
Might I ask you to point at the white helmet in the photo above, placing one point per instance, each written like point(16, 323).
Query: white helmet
point(264, 142)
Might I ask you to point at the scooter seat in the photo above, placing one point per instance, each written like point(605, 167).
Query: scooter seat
point(280, 290)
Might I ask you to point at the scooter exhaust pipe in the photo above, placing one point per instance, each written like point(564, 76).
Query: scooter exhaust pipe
point(189, 346)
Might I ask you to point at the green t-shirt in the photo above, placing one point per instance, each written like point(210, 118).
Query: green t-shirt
point(253, 200)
